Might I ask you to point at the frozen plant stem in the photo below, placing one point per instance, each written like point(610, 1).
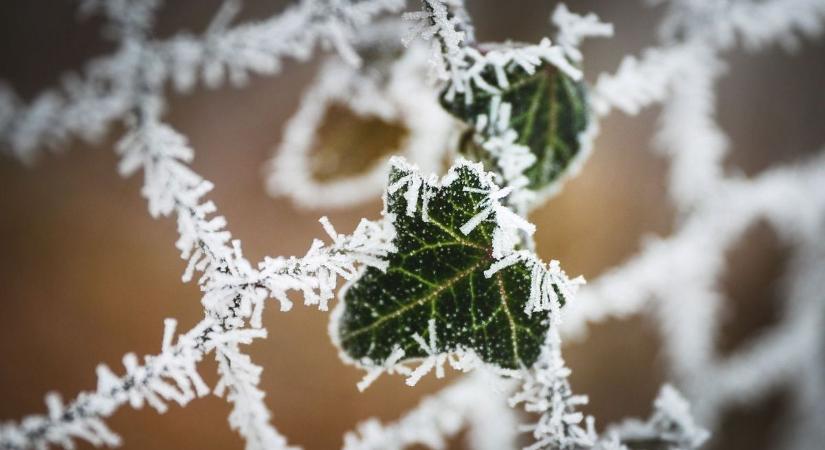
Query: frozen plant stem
point(234, 292)
point(233, 296)
point(87, 103)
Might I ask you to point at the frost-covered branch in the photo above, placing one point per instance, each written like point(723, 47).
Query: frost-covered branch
point(239, 379)
point(233, 291)
point(445, 23)
point(727, 214)
point(171, 187)
point(575, 28)
point(168, 376)
point(222, 330)
point(377, 89)
point(719, 26)
point(678, 274)
point(108, 89)
point(640, 82)
point(670, 427)
point(546, 392)
point(491, 424)
point(755, 24)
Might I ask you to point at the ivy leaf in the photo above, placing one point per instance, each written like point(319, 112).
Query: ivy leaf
point(438, 275)
point(549, 114)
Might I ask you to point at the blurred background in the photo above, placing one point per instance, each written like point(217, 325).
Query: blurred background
point(87, 275)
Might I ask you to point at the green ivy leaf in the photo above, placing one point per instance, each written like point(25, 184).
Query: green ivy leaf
point(549, 113)
point(437, 274)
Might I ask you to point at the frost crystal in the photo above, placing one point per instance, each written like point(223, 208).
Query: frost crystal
point(233, 290)
point(671, 426)
point(379, 88)
point(492, 425)
point(676, 274)
point(528, 110)
point(547, 392)
point(574, 28)
point(439, 22)
point(455, 286)
point(108, 88)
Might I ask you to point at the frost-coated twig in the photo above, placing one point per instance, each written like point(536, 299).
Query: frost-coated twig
point(499, 140)
point(461, 64)
point(547, 393)
point(574, 28)
point(249, 416)
point(443, 22)
point(82, 418)
point(86, 103)
point(491, 424)
point(222, 330)
point(234, 292)
point(671, 426)
point(171, 187)
point(735, 206)
point(379, 88)
point(680, 272)
point(640, 82)
point(167, 376)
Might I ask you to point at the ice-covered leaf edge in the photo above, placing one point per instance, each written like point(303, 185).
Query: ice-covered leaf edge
point(503, 78)
point(543, 298)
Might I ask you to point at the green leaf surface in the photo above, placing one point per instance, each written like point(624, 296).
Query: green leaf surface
point(549, 113)
point(438, 274)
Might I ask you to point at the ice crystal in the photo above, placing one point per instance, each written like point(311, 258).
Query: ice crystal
point(455, 283)
point(675, 273)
